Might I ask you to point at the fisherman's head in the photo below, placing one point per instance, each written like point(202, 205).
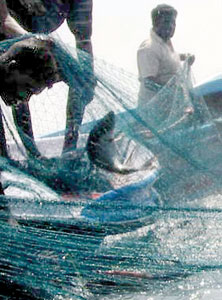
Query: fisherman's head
point(28, 67)
point(164, 21)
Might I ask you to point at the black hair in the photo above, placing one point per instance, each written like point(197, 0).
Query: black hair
point(162, 10)
point(36, 57)
point(32, 56)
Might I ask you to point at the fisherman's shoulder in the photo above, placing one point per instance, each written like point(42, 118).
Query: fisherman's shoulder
point(148, 49)
point(146, 44)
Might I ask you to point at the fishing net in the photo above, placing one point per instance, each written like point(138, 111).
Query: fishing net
point(137, 215)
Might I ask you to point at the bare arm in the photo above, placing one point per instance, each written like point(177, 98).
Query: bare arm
point(8, 25)
point(152, 83)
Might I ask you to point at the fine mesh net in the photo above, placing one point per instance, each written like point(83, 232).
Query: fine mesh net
point(134, 211)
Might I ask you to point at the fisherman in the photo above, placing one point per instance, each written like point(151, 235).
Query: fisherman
point(20, 79)
point(10, 28)
point(40, 16)
point(156, 58)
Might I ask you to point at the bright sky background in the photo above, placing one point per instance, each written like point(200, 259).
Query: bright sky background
point(119, 26)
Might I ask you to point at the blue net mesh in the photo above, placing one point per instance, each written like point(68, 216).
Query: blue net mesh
point(138, 218)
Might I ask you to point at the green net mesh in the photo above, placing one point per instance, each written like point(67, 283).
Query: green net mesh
point(146, 226)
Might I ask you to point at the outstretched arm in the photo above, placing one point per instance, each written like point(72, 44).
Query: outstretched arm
point(8, 25)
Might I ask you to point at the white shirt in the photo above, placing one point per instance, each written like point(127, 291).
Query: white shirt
point(156, 58)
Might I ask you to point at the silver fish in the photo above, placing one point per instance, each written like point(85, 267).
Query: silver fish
point(101, 147)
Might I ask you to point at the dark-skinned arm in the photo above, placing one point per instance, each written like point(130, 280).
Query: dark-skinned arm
point(8, 25)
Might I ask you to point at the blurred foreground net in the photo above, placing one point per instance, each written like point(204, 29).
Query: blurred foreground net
point(158, 227)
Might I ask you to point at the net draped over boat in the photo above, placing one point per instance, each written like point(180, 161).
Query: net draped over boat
point(150, 232)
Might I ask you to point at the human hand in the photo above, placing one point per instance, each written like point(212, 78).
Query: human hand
point(190, 58)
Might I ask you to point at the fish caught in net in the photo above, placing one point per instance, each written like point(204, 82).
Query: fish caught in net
point(135, 209)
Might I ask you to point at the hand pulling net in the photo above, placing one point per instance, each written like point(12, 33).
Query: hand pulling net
point(136, 209)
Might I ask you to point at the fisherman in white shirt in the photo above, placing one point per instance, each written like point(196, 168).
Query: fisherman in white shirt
point(156, 58)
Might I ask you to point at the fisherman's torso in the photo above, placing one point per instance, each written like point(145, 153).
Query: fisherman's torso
point(158, 59)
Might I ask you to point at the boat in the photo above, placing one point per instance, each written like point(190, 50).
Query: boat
point(76, 204)
point(129, 194)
